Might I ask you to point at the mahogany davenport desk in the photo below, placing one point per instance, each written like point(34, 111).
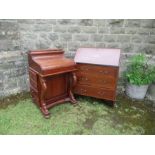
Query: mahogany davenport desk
point(97, 72)
point(52, 78)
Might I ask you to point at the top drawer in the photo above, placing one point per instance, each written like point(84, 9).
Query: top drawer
point(101, 70)
point(33, 76)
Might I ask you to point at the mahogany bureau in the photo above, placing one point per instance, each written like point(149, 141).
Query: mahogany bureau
point(52, 78)
point(97, 72)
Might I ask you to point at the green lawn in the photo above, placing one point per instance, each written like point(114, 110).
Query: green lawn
point(18, 115)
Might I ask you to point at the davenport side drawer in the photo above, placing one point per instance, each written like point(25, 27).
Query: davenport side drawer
point(33, 75)
point(101, 93)
point(35, 95)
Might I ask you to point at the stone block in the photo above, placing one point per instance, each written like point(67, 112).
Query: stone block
point(88, 29)
point(86, 22)
point(123, 38)
point(115, 22)
point(129, 30)
point(117, 30)
point(99, 22)
point(100, 45)
point(151, 39)
point(96, 37)
point(45, 21)
point(104, 30)
point(23, 82)
point(74, 29)
point(43, 27)
point(53, 36)
point(40, 44)
point(80, 37)
point(26, 27)
point(65, 37)
point(73, 46)
point(60, 29)
point(110, 38)
point(144, 31)
point(9, 26)
point(59, 44)
point(67, 21)
point(147, 48)
point(112, 45)
point(152, 32)
point(30, 44)
point(10, 84)
point(133, 23)
point(153, 24)
point(147, 23)
point(87, 44)
point(6, 45)
point(127, 47)
point(27, 21)
point(136, 38)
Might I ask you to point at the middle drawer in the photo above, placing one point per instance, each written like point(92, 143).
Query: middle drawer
point(95, 80)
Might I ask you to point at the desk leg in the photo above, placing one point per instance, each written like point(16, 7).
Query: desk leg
point(43, 107)
point(73, 81)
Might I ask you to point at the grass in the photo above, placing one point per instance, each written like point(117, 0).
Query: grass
point(18, 115)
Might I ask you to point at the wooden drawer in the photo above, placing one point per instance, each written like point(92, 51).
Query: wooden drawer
point(33, 80)
point(35, 96)
point(101, 93)
point(33, 75)
point(98, 70)
point(33, 84)
point(95, 80)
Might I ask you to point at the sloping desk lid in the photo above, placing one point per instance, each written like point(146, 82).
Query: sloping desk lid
point(99, 56)
point(51, 61)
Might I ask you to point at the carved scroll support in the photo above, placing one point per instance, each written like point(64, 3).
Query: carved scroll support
point(43, 107)
point(73, 81)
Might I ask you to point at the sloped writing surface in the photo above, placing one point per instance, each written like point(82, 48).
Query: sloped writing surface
point(99, 56)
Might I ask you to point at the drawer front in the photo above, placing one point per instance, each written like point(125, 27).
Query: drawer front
point(101, 93)
point(95, 80)
point(98, 70)
point(33, 75)
point(35, 96)
point(33, 79)
point(33, 84)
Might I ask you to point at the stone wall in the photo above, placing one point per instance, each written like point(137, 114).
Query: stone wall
point(19, 36)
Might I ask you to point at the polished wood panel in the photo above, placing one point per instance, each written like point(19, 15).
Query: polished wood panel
point(95, 92)
point(52, 78)
point(96, 80)
point(97, 72)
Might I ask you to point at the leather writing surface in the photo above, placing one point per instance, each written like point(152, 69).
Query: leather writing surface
point(99, 56)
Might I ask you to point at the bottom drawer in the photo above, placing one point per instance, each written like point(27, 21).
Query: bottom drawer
point(101, 93)
point(35, 96)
